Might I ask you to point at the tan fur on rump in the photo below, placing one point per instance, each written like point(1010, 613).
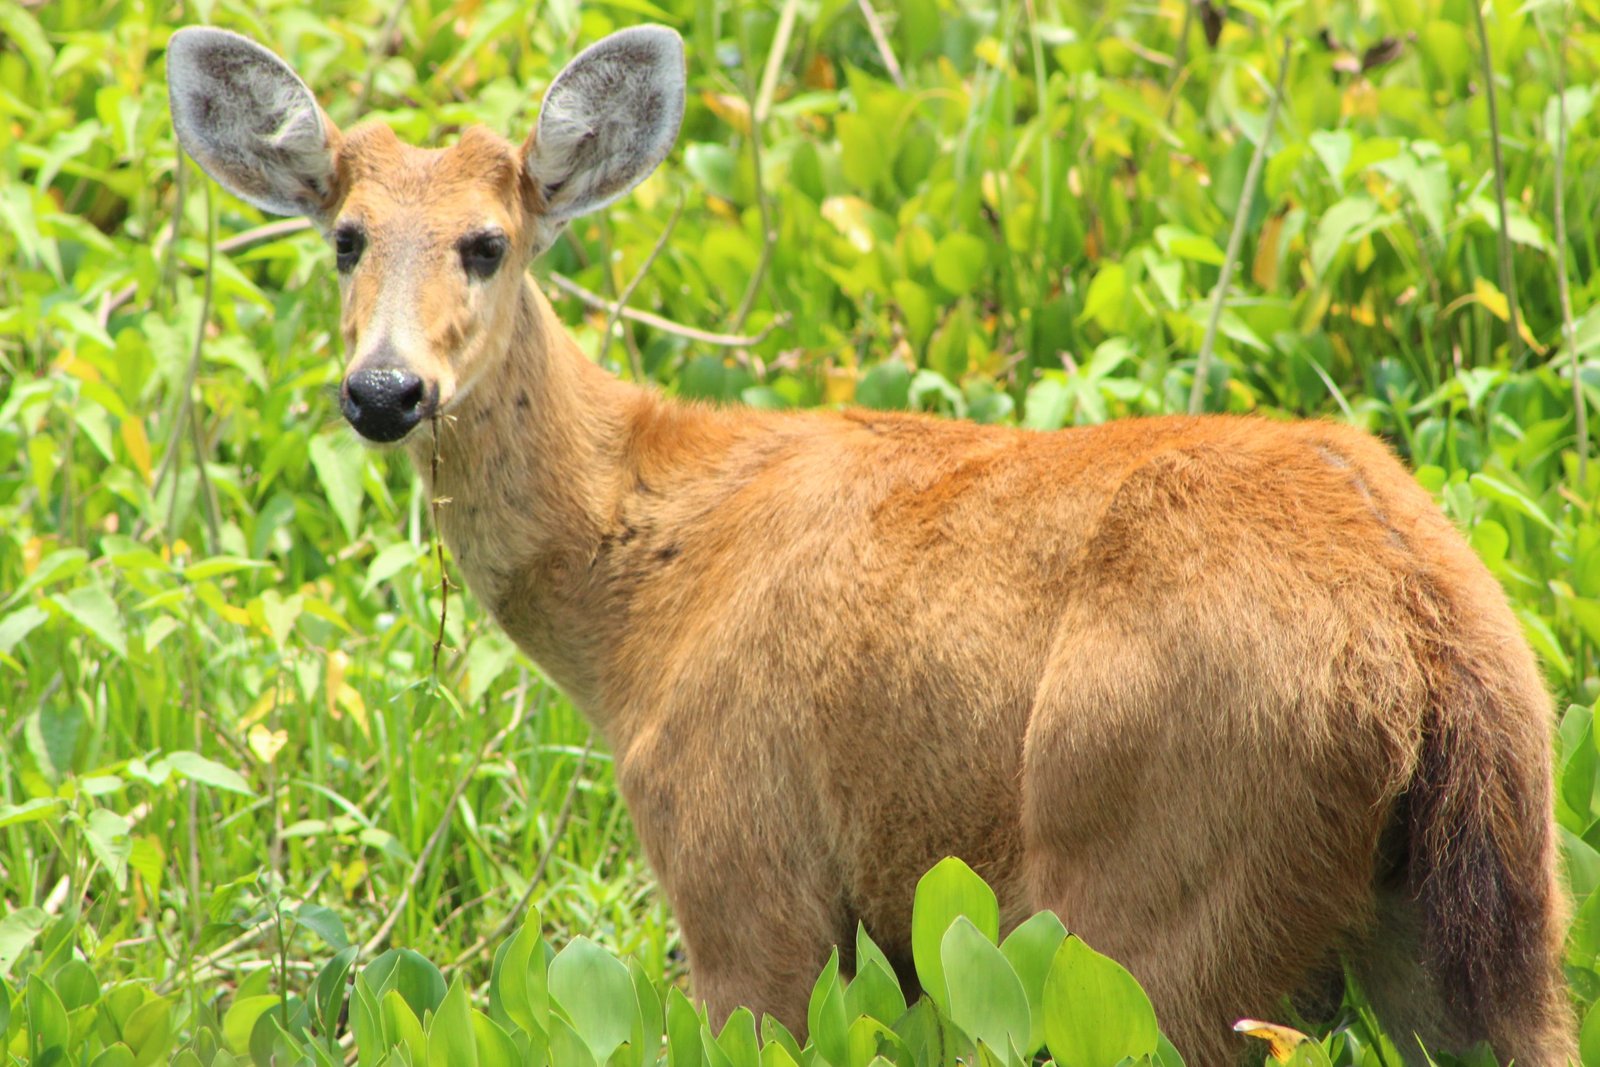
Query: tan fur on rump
point(1231, 696)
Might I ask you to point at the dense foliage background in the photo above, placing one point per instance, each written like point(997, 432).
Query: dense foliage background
point(225, 746)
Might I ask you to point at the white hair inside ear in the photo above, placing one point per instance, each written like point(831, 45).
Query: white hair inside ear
point(250, 122)
point(608, 119)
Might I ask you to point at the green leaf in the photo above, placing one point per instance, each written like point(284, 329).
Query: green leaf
point(1510, 498)
point(339, 460)
point(149, 1031)
point(450, 1037)
point(26, 812)
point(401, 1027)
point(328, 991)
point(1106, 300)
point(390, 562)
point(120, 1055)
point(959, 262)
point(1589, 1036)
point(567, 1048)
point(738, 1039)
point(47, 1018)
point(520, 978)
point(324, 922)
point(198, 768)
point(1031, 949)
point(91, 607)
point(19, 624)
point(1343, 222)
point(1095, 1012)
point(825, 1014)
point(239, 1022)
point(495, 1047)
point(986, 997)
point(950, 890)
point(107, 834)
point(596, 992)
point(17, 931)
point(410, 974)
point(683, 1031)
point(886, 387)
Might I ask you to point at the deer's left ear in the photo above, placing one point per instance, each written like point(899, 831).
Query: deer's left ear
point(250, 122)
point(608, 118)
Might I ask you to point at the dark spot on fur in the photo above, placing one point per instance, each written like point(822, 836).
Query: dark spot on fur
point(522, 399)
point(668, 553)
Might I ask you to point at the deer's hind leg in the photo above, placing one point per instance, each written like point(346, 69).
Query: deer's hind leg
point(1175, 817)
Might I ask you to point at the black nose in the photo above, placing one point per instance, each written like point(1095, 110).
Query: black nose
point(384, 403)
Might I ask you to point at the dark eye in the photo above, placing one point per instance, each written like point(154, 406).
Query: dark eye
point(348, 244)
point(481, 253)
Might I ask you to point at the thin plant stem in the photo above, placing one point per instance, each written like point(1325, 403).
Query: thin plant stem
point(1230, 258)
point(635, 364)
point(1568, 329)
point(1508, 278)
point(780, 46)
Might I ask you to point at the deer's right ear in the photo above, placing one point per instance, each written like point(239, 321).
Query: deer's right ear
point(251, 123)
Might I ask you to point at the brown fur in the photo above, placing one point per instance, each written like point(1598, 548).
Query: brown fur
point(1229, 695)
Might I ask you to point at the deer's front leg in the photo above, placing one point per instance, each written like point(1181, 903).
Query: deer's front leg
point(746, 858)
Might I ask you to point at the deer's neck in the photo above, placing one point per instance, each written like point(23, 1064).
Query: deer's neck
point(531, 473)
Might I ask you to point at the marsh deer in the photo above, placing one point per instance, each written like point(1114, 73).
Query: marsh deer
point(1230, 696)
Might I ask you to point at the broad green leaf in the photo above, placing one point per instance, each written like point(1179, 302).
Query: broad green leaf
point(986, 997)
point(328, 991)
point(26, 812)
point(951, 889)
point(1511, 498)
point(148, 1031)
point(520, 978)
point(1095, 1013)
point(959, 262)
point(596, 992)
point(683, 1031)
point(1031, 949)
point(825, 1014)
point(339, 460)
point(410, 974)
point(738, 1039)
point(18, 931)
point(324, 922)
point(106, 833)
point(401, 1026)
point(495, 1047)
point(450, 1037)
point(566, 1047)
point(198, 768)
point(240, 1020)
point(93, 609)
point(47, 1018)
point(120, 1055)
point(1589, 1036)
point(887, 387)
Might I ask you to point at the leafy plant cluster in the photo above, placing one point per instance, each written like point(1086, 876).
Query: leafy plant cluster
point(1038, 996)
point(217, 612)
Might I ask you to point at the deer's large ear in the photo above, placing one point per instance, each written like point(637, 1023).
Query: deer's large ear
point(250, 122)
point(608, 118)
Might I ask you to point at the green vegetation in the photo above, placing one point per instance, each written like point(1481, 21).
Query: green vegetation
point(227, 754)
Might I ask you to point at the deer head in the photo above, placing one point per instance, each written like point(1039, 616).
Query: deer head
point(431, 245)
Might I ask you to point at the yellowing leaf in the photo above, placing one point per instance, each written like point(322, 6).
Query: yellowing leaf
point(1492, 299)
point(266, 743)
point(1281, 1040)
point(839, 385)
point(138, 445)
point(734, 110)
point(333, 679)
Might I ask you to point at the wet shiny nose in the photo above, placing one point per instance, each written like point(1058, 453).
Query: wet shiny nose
point(384, 403)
